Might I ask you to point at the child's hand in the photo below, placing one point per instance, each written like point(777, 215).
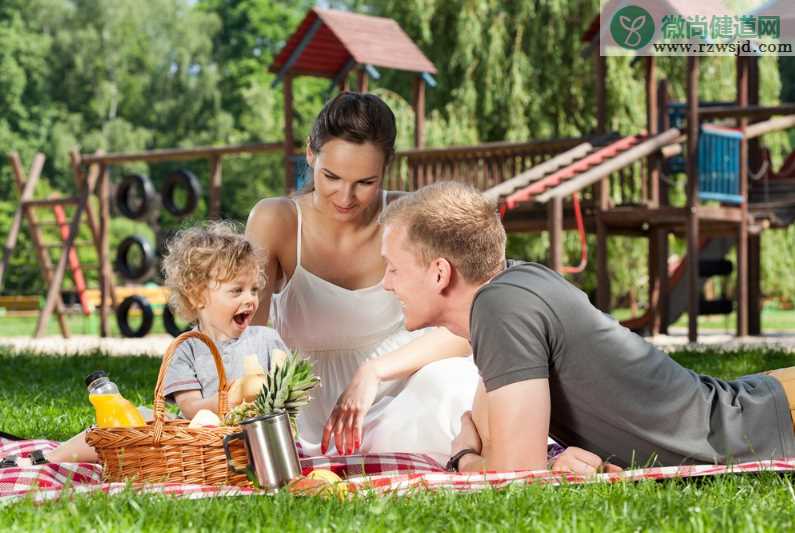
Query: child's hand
point(235, 393)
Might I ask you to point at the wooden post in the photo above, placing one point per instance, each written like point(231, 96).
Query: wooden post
point(289, 143)
point(104, 252)
point(600, 63)
point(660, 316)
point(663, 297)
point(361, 80)
point(419, 112)
point(693, 287)
point(653, 265)
point(602, 272)
point(80, 179)
point(754, 148)
point(654, 162)
point(602, 189)
point(555, 225)
point(742, 234)
point(215, 188)
point(754, 284)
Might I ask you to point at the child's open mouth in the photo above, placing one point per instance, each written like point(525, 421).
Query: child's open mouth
point(241, 319)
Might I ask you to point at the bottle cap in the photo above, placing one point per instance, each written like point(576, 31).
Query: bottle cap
point(95, 375)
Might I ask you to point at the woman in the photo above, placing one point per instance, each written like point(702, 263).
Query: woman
point(384, 389)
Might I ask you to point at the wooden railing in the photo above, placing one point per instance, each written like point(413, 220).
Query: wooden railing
point(482, 166)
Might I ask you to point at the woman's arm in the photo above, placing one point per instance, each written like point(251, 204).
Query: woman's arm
point(345, 421)
point(267, 224)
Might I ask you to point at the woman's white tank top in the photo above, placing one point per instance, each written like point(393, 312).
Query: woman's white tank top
point(315, 315)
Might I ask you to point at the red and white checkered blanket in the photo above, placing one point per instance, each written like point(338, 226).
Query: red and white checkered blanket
point(397, 473)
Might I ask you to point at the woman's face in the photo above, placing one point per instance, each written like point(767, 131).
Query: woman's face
point(347, 178)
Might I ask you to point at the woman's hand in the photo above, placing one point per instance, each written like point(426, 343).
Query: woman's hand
point(579, 461)
point(345, 421)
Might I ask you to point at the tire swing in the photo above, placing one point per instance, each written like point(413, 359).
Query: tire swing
point(145, 264)
point(123, 316)
point(135, 196)
point(185, 180)
point(170, 322)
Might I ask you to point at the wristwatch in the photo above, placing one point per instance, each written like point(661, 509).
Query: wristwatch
point(452, 464)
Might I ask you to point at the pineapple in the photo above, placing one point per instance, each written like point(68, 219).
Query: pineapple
point(286, 388)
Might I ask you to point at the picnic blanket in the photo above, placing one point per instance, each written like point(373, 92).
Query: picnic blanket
point(394, 473)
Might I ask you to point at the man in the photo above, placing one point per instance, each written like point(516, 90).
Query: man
point(553, 363)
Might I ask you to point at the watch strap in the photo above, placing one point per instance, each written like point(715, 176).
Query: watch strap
point(452, 464)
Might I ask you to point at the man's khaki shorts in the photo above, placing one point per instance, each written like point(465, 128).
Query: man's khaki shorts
point(786, 376)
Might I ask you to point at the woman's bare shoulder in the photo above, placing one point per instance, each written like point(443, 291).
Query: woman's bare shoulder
point(270, 219)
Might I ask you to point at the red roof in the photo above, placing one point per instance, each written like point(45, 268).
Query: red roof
point(343, 36)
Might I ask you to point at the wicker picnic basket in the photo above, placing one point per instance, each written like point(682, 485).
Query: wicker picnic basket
point(167, 450)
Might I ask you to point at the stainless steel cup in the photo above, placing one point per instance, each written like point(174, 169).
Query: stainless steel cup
point(270, 448)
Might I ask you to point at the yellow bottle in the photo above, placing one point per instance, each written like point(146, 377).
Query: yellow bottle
point(113, 410)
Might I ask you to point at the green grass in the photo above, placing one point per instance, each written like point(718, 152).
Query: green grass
point(773, 320)
point(43, 396)
point(78, 324)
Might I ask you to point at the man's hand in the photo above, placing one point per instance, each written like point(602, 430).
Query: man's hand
point(579, 461)
point(346, 420)
point(468, 436)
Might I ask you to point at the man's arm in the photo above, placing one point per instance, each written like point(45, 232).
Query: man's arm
point(518, 426)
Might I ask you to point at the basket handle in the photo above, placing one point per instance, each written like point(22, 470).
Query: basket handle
point(160, 401)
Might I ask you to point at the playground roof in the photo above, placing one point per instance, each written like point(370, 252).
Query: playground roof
point(329, 41)
point(686, 8)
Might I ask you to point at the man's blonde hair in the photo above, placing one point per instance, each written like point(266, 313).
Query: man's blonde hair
point(455, 221)
point(199, 256)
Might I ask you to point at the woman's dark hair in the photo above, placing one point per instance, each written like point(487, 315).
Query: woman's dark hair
point(356, 118)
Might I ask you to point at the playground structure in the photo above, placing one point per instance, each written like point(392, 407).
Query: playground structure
point(92, 178)
point(604, 183)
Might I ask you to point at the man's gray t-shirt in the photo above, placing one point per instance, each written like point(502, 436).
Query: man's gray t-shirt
point(193, 368)
point(611, 392)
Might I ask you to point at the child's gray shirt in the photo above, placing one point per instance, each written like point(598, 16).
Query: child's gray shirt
point(193, 368)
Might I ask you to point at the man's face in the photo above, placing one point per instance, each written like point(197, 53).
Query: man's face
point(412, 283)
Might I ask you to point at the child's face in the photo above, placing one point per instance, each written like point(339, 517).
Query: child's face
point(229, 307)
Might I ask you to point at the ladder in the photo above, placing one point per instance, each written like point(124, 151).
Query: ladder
point(53, 272)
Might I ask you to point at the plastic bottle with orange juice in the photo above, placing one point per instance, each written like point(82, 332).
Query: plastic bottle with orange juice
point(113, 410)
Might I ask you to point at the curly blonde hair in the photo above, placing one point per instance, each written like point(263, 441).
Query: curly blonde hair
point(199, 256)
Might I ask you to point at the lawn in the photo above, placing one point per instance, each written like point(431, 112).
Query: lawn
point(44, 397)
point(774, 319)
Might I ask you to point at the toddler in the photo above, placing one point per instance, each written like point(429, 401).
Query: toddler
point(214, 275)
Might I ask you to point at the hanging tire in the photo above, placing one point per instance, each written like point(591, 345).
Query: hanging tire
point(181, 179)
point(138, 271)
point(143, 188)
point(170, 323)
point(123, 316)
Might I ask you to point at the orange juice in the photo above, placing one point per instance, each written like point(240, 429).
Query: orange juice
point(113, 411)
